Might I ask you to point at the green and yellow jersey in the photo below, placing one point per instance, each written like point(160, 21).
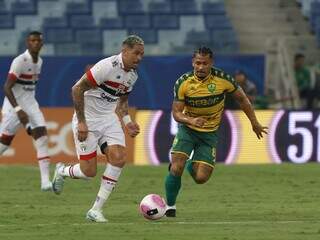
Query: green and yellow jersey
point(204, 97)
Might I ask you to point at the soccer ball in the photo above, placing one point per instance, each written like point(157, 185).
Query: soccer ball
point(153, 207)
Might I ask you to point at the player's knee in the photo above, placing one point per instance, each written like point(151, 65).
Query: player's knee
point(117, 158)
point(200, 179)
point(89, 172)
point(177, 169)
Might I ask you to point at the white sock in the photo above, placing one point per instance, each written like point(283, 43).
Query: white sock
point(108, 182)
point(41, 145)
point(44, 170)
point(3, 148)
point(73, 171)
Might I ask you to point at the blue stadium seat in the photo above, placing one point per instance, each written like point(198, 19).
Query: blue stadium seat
point(198, 38)
point(67, 49)
point(130, 7)
point(81, 21)
point(6, 20)
point(58, 35)
point(225, 40)
point(215, 8)
point(92, 49)
point(165, 21)
point(315, 13)
point(149, 36)
point(88, 36)
point(78, 8)
point(111, 23)
point(3, 7)
point(184, 7)
point(217, 22)
point(24, 7)
point(137, 21)
point(159, 7)
point(55, 22)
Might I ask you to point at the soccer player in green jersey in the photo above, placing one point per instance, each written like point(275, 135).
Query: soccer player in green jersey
point(198, 106)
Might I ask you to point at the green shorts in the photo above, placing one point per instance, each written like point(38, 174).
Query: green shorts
point(203, 145)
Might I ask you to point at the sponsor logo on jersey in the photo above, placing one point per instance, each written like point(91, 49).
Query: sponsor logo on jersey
point(108, 98)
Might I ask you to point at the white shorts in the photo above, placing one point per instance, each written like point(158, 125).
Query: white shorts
point(107, 130)
point(10, 122)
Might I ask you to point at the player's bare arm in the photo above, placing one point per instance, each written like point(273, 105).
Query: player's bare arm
point(23, 117)
point(179, 116)
point(78, 90)
point(123, 112)
point(246, 106)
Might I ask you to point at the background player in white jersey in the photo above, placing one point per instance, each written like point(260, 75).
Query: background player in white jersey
point(21, 108)
point(97, 96)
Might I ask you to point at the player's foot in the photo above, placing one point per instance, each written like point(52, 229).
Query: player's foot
point(58, 179)
point(95, 216)
point(171, 211)
point(46, 187)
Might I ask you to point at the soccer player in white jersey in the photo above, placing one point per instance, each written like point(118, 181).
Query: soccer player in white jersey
point(21, 108)
point(101, 93)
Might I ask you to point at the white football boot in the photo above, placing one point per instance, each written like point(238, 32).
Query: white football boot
point(58, 179)
point(96, 216)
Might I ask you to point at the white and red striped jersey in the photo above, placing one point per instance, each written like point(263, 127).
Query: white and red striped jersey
point(112, 82)
point(26, 74)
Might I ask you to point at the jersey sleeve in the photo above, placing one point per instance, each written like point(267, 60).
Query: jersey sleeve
point(179, 90)
point(230, 84)
point(15, 69)
point(100, 72)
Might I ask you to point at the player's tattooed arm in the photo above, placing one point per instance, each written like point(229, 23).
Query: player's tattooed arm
point(123, 106)
point(78, 91)
point(179, 116)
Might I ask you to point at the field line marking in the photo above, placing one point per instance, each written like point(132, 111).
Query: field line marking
point(166, 223)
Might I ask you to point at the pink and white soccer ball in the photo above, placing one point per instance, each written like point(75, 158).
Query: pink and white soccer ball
point(153, 207)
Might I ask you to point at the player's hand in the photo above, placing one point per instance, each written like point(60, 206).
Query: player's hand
point(198, 121)
point(258, 129)
point(82, 131)
point(133, 129)
point(23, 117)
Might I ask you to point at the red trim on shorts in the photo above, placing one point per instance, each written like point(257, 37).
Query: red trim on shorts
point(26, 76)
point(91, 78)
point(46, 157)
point(88, 156)
point(12, 77)
point(7, 137)
point(108, 179)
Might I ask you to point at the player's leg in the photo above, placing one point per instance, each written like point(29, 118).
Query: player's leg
point(203, 160)
point(40, 137)
point(181, 148)
point(87, 155)
point(116, 155)
point(9, 126)
point(112, 144)
point(202, 171)
point(38, 130)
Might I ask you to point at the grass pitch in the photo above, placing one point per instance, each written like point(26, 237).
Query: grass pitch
point(249, 202)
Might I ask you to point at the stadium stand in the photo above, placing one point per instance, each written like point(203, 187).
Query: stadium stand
point(164, 24)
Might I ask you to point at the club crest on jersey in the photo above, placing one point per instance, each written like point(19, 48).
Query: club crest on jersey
point(211, 87)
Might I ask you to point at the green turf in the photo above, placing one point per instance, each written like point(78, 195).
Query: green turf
point(249, 202)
